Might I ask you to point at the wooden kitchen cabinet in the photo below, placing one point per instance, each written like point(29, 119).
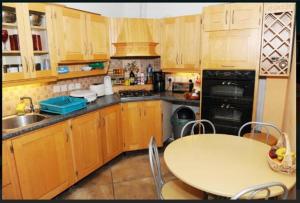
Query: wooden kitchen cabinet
point(44, 162)
point(97, 37)
point(140, 121)
point(10, 182)
point(110, 133)
point(85, 135)
point(233, 49)
point(181, 35)
point(80, 36)
point(216, 17)
point(232, 16)
point(31, 60)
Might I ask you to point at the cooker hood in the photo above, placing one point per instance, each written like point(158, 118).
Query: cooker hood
point(134, 39)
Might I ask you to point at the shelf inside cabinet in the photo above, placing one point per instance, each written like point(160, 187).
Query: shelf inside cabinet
point(11, 52)
point(38, 28)
point(40, 52)
point(11, 25)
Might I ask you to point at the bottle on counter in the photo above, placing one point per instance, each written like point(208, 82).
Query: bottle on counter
point(142, 78)
point(149, 74)
point(191, 85)
point(132, 78)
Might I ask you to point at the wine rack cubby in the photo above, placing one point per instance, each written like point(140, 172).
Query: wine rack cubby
point(277, 39)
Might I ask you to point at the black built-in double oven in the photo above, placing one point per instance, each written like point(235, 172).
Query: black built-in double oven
point(227, 98)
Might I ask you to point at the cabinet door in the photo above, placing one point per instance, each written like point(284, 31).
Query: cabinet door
point(245, 15)
point(10, 182)
point(152, 123)
point(71, 32)
point(132, 127)
point(44, 162)
point(170, 43)
point(98, 37)
point(15, 55)
point(39, 55)
point(190, 40)
point(111, 132)
point(216, 18)
point(85, 130)
point(215, 53)
point(242, 52)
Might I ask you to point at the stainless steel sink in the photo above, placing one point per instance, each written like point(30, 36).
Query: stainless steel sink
point(13, 122)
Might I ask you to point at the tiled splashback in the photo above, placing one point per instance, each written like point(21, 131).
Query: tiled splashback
point(11, 95)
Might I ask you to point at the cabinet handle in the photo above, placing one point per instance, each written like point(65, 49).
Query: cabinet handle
point(177, 58)
point(26, 64)
point(92, 50)
point(181, 59)
point(32, 61)
point(144, 112)
point(226, 17)
point(103, 121)
point(67, 136)
point(140, 113)
point(233, 17)
point(259, 15)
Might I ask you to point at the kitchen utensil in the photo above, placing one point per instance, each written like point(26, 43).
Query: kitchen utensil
point(8, 17)
point(98, 88)
point(63, 69)
point(35, 19)
point(86, 94)
point(108, 85)
point(4, 38)
point(86, 68)
point(46, 64)
point(37, 44)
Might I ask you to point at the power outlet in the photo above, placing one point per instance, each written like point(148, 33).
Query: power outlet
point(170, 79)
point(56, 88)
point(77, 86)
point(71, 86)
point(63, 88)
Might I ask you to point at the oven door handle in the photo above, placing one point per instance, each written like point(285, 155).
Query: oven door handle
point(232, 83)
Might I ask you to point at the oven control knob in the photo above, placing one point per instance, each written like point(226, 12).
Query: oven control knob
point(223, 83)
point(223, 105)
point(227, 106)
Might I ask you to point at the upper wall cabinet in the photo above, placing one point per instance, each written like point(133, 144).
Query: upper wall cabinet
point(80, 36)
point(232, 16)
point(277, 39)
point(180, 35)
point(27, 37)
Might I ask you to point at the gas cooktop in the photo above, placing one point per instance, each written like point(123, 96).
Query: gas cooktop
point(135, 93)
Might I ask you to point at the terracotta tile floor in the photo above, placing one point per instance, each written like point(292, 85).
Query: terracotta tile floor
point(126, 177)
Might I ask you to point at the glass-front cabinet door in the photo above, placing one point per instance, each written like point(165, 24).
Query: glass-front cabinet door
point(15, 62)
point(37, 26)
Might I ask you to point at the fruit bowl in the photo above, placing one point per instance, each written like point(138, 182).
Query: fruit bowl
point(280, 157)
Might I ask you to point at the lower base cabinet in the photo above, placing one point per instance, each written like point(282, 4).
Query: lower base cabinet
point(10, 183)
point(43, 162)
point(85, 135)
point(110, 133)
point(140, 121)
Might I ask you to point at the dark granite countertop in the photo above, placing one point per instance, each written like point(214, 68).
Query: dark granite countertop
point(101, 102)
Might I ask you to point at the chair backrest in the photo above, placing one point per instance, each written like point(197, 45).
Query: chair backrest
point(255, 125)
point(200, 123)
point(155, 166)
point(253, 190)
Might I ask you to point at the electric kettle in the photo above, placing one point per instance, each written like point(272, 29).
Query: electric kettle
point(107, 85)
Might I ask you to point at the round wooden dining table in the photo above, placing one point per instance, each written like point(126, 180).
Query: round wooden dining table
point(223, 164)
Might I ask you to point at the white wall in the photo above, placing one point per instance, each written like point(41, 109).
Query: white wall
point(143, 10)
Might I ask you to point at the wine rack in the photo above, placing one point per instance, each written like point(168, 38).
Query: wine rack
point(277, 39)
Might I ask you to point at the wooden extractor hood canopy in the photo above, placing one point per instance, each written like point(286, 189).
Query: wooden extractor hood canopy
point(134, 38)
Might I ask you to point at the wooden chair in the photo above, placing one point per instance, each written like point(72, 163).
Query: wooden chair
point(200, 123)
point(249, 193)
point(174, 189)
point(266, 138)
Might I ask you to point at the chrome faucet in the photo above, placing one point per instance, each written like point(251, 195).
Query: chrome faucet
point(31, 104)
